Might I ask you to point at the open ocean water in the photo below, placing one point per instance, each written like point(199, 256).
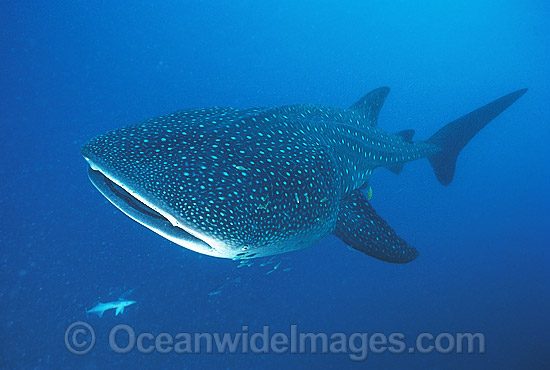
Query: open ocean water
point(71, 70)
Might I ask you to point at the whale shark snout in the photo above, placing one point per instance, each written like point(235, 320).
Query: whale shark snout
point(146, 214)
point(163, 182)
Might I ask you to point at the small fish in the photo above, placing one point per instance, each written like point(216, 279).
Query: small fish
point(245, 262)
point(369, 193)
point(267, 262)
point(219, 289)
point(274, 268)
point(263, 206)
point(100, 308)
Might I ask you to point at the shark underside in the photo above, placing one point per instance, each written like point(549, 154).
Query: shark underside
point(245, 183)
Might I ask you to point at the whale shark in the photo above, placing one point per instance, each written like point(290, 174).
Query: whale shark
point(246, 183)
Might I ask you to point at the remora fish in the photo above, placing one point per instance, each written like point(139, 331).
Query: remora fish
point(244, 183)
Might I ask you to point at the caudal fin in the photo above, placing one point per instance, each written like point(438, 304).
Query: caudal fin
point(455, 135)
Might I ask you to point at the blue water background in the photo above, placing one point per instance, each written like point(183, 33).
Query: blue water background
point(74, 69)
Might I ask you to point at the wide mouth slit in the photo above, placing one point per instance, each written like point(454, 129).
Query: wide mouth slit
point(131, 200)
point(141, 212)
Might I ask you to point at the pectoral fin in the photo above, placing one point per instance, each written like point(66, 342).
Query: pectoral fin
point(119, 310)
point(360, 227)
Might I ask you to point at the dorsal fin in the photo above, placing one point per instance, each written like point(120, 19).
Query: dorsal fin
point(370, 105)
point(406, 135)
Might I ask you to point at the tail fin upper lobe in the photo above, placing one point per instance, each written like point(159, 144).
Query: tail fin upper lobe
point(455, 135)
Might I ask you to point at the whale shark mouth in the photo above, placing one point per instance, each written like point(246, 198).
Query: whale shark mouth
point(144, 212)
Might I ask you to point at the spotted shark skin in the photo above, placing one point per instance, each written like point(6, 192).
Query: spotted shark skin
point(245, 183)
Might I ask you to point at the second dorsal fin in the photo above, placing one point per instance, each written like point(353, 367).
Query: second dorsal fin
point(406, 135)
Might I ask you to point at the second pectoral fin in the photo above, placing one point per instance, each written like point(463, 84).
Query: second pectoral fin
point(361, 228)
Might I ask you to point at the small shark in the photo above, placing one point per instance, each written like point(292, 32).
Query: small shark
point(118, 305)
point(246, 183)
